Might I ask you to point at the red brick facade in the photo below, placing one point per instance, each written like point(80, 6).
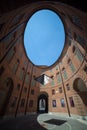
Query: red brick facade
point(19, 92)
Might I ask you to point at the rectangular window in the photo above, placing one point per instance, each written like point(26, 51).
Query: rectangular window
point(21, 74)
point(33, 82)
point(25, 63)
point(62, 102)
point(81, 40)
point(20, 53)
point(14, 100)
point(72, 67)
point(7, 40)
point(31, 103)
point(1, 70)
point(16, 19)
point(53, 103)
point(1, 26)
point(67, 87)
point(18, 87)
point(60, 89)
point(52, 83)
point(57, 67)
point(22, 102)
point(76, 21)
point(10, 55)
point(85, 69)
point(27, 79)
point(79, 55)
point(59, 78)
point(65, 74)
point(71, 102)
point(15, 67)
point(53, 91)
point(25, 89)
point(32, 91)
point(51, 71)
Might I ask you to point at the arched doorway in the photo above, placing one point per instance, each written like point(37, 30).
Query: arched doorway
point(42, 105)
point(80, 87)
point(5, 93)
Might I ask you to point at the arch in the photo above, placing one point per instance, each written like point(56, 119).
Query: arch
point(42, 104)
point(80, 87)
point(5, 94)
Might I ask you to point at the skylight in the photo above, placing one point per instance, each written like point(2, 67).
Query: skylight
point(44, 37)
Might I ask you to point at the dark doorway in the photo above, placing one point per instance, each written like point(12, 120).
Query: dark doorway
point(42, 105)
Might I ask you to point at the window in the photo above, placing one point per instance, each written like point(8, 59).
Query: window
point(52, 83)
point(52, 77)
point(22, 72)
point(69, 34)
point(71, 102)
point(11, 54)
point(1, 70)
point(18, 87)
point(1, 26)
point(7, 41)
point(64, 73)
point(81, 40)
point(53, 103)
point(85, 69)
point(32, 91)
point(15, 66)
point(60, 89)
point(33, 82)
point(27, 79)
point(79, 55)
point(53, 91)
point(22, 102)
point(58, 77)
point(14, 100)
point(20, 53)
point(31, 103)
point(71, 65)
point(73, 49)
point(57, 67)
point(76, 20)
point(62, 102)
point(67, 87)
point(16, 19)
point(25, 89)
point(25, 63)
point(9, 82)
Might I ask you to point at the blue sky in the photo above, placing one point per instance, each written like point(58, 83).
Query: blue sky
point(44, 37)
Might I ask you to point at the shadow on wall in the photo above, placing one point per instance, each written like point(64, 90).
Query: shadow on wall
point(80, 87)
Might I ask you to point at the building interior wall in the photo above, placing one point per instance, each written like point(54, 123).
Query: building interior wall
point(19, 91)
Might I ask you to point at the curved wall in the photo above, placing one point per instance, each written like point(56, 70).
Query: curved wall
point(71, 65)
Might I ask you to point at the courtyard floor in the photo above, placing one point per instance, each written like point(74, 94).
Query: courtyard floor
point(42, 122)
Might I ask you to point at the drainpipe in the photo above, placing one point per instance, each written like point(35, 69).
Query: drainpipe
point(29, 89)
point(64, 92)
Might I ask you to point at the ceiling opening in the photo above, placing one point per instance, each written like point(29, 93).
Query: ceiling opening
point(44, 37)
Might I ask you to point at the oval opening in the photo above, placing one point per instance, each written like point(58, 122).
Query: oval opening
point(44, 37)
